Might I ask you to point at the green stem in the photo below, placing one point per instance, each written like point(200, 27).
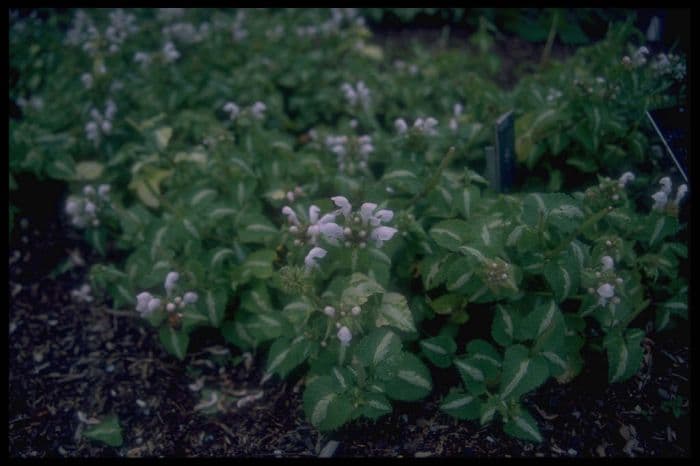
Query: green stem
point(435, 179)
point(550, 39)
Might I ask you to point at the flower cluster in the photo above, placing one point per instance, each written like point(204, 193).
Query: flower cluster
point(238, 32)
point(341, 319)
point(147, 304)
point(456, 112)
point(607, 281)
point(84, 210)
point(186, 32)
point(121, 26)
point(357, 95)
point(256, 111)
point(352, 152)
point(170, 53)
point(83, 32)
point(101, 122)
point(421, 126)
point(639, 58)
point(669, 64)
point(661, 197)
point(314, 226)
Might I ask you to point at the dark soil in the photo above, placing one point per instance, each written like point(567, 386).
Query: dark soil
point(66, 357)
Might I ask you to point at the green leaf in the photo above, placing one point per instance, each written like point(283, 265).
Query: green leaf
point(447, 304)
point(485, 356)
point(162, 136)
point(564, 281)
point(439, 350)
point(624, 355)
point(325, 405)
point(259, 264)
point(468, 199)
point(285, 355)
point(460, 405)
point(394, 311)
point(378, 345)
point(359, 289)
point(521, 373)
point(89, 170)
point(505, 322)
point(523, 426)
point(107, 431)
point(472, 375)
point(256, 229)
point(174, 341)
point(450, 234)
point(215, 304)
point(405, 377)
point(375, 405)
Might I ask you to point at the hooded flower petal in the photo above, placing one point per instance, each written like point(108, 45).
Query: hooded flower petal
point(142, 300)
point(170, 281)
point(660, 200)
point(313, 213)
point(665, 183)
point(332, 232)
point(625, 178)
point(607, 262)
point(311, 258)
point(190, 297)
point(381, 234)
point(366, 211)
point(344, 335)
point(343, 203)
point(291, 216)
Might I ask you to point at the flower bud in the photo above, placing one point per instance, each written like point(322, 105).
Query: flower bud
point(356, 310)
point(329, 311)
point(153, 304)
point(190, 297)
point(344, 335)
point(170, 307)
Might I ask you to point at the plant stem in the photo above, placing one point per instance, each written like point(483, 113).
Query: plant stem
point(590, 221)
point(550, 39)
point(435, 179)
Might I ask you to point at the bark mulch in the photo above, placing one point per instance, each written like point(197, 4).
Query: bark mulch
point(67, 357)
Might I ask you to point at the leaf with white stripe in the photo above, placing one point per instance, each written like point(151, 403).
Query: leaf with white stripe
point(256, 229)
point(450, 234)
point(624, 355)
point(439, 350)
point(461, 405)
point(505, 321)
point(521, 373)
point(259, 263)
point(203, 196)
point(107, 431)
point(405, 377)
point(375, 405)
point(523, 426)
point(545, 325)
point(563, 278)
point(394, 311)
point(285, 355)
point(468, 199)
point(215, 305)
point(378, 345)
point(472, 375)
point(325, 404)
point(485, 356)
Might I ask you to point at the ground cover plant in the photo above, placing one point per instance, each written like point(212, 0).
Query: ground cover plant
point(275, 176)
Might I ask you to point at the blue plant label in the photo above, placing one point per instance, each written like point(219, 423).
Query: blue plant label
point(505, 152)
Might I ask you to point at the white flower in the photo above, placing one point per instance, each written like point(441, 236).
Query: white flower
point(232, 109)
point(607, 262)
point(170, 52)
point(170, 281)
point(258, 110)
point(356, 310)
point(103, 190)
point(87, 80)
point(142, 58)
point(381, 234)
point(680, 194)
point(291, 216)
point(401, 126)
point(190, 297)
point(382, 216)
point(453, 124)
point(344, 204)
point(366, 212)
point(142, 300)
point(625, 178)
point(332, 232)
point(666, 184)
point(315, 224)
point(457, 109)
point(72, 207)
point(153, 304)
point(605, 291)
point(660, 200)
point(329, 311)
point(344, 335)
point(90, 208)
point(311, 258)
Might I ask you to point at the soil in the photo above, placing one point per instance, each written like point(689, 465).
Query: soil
point(67, 357)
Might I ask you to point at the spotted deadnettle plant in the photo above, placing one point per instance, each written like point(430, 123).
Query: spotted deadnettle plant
point(365, 225)
point(84, 210)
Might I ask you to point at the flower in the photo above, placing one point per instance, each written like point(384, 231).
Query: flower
point(190, 297)
point(312, 257)
point(344, 335)
point(625, 178)
point(607, 262)
point(401, 126)
point(605, 291)
point(291, 216)
point(170, 281)
point(232, 109)
point(660, 199)
point(680, 194)
point(381, 234)
point(82, 294)
point(316, 225)
point(344, 204)
point(666, 185)
point(170, 52)
point(258, 110)
point(329, 311)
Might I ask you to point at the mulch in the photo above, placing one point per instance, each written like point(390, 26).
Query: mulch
point(67, 357)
